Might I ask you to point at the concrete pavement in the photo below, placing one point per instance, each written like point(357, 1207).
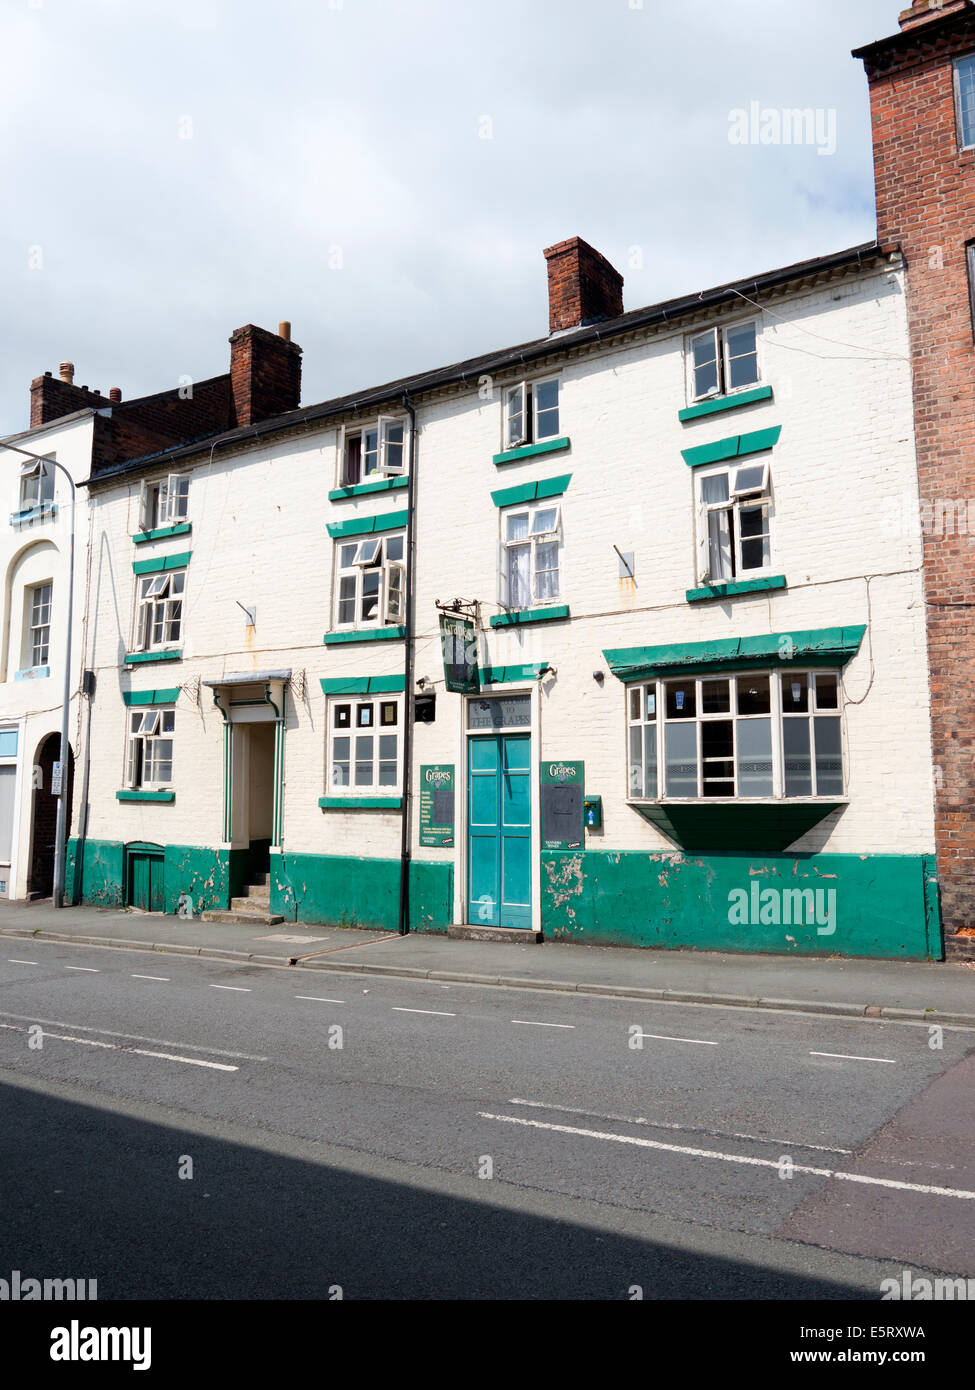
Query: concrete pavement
point(932, 993)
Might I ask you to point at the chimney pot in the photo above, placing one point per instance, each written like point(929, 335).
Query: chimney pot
point(66, 371)
point(115, 394)
point(284, 330)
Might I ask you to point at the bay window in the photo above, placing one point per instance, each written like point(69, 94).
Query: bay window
point(754, 735)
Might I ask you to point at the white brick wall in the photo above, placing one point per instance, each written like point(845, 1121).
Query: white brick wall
point(837, 360)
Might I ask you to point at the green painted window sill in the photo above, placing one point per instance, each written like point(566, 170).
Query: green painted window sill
point(161, 532)
point(138, 658)
point(721, 403)
point(360, 803)
point(360, 489)
point(145, 796)
point(735, 586)
point(523, 616)
point(379, 634)
point(547, 446)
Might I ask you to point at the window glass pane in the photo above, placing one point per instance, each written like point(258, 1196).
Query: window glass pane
point(363, 716)
point(517, 526)
point(387, 774)
point(343, 716)
point(719, 546)
point(742, 356)
point(347, 555)
point(363, 761)
point(705, 365)
point(751, 478)
point(636, 761)
point(966, 101)
point(829, 757)
point(681, 701)
point(754, 756)
point(715, 697)
point(754, 695)
point(519, 573)
point(340, 748)
point(547, 570)
point(715, 488)
point(370, 439)
point(347, 599)
point(370, 595)
point(717, 757)
point(394, 547)
point(353, 459)
point(368, 552)
point(795, 692)
point(502, 712)
point(636, 702)
point(388, 712)
point(547, 409)
point(543, 522)
point(827, 691)
point(168, 721)
point(755, 553)
point(546, 395)
point(680, 742)
point(178, 583)
point(795, 747)
point(650, 761)
point(741, 340)
point(651, 703)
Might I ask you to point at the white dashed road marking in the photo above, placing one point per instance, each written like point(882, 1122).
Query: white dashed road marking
point(319, 999)
point(132, 1051)
point(163, 978)
point(846, 1057)
point(88, 969)
point(662, 1037)
point(441, 1013)
point(533, 1023)
point(133, 1037)
point(21, 962)
point(238, 989)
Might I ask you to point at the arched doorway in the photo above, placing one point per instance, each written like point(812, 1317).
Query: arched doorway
point(40, 882)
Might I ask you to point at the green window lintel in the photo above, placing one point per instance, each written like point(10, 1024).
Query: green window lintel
point(376, 634)
point(171, 562)
point(828, 646)
point(501, 675)
point(161, 532)
point(338, 494)
point(138, 658)
point(367, 525)
point(735, 586)
point(136, 795)
point(531, 492)
point(521, 617)
point(151, 697)
point(737, 446)
point(547, 446)
point(722, 403)
point(364, 685)
point(360, 803)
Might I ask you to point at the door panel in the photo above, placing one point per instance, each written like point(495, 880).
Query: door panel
point(157, 899)
point(499, 831)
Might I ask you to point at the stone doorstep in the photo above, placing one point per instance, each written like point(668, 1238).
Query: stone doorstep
point(250, 904)
point(512, 936)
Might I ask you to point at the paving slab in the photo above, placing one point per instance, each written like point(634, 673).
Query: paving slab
point(828, 985)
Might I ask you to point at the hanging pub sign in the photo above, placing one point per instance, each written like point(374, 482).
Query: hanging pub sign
point(562, 788)
point(459, 642)
point(437, 805)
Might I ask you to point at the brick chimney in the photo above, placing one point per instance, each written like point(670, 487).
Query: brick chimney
point(582, 286)
point(51, 397)
point(924, 11)
point(265, 373)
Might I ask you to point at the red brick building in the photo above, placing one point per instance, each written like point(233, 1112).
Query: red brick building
point(922, 96)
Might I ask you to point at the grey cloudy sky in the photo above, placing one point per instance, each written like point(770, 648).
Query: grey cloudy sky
point(352, 131)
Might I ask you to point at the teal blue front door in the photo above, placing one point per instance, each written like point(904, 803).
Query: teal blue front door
point(499, 831)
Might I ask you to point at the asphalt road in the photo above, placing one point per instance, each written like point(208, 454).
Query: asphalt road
point(396, 1138)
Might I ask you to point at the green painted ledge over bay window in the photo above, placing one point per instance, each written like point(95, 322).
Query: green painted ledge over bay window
point(367, 525)
point(338, 494)
point(161, 532)
point(737, 446)
point(826, 646)
point(140, 658)
point(171, 562)
point(361, 803)
point(137, 795)
point(151, 697)
point(705, 827)
point(547, 446)
point(735, 586)
point(521, 617)
point(376, 634)
point(718, 404)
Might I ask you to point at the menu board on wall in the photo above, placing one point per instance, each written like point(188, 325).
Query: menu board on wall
point(437, 805)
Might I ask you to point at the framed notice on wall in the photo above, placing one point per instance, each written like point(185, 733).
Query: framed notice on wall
point(437, 805)
point(562, 793)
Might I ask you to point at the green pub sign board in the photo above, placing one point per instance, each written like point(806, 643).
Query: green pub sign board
point(437, 805)
point(459, 642)
point(562, 794)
